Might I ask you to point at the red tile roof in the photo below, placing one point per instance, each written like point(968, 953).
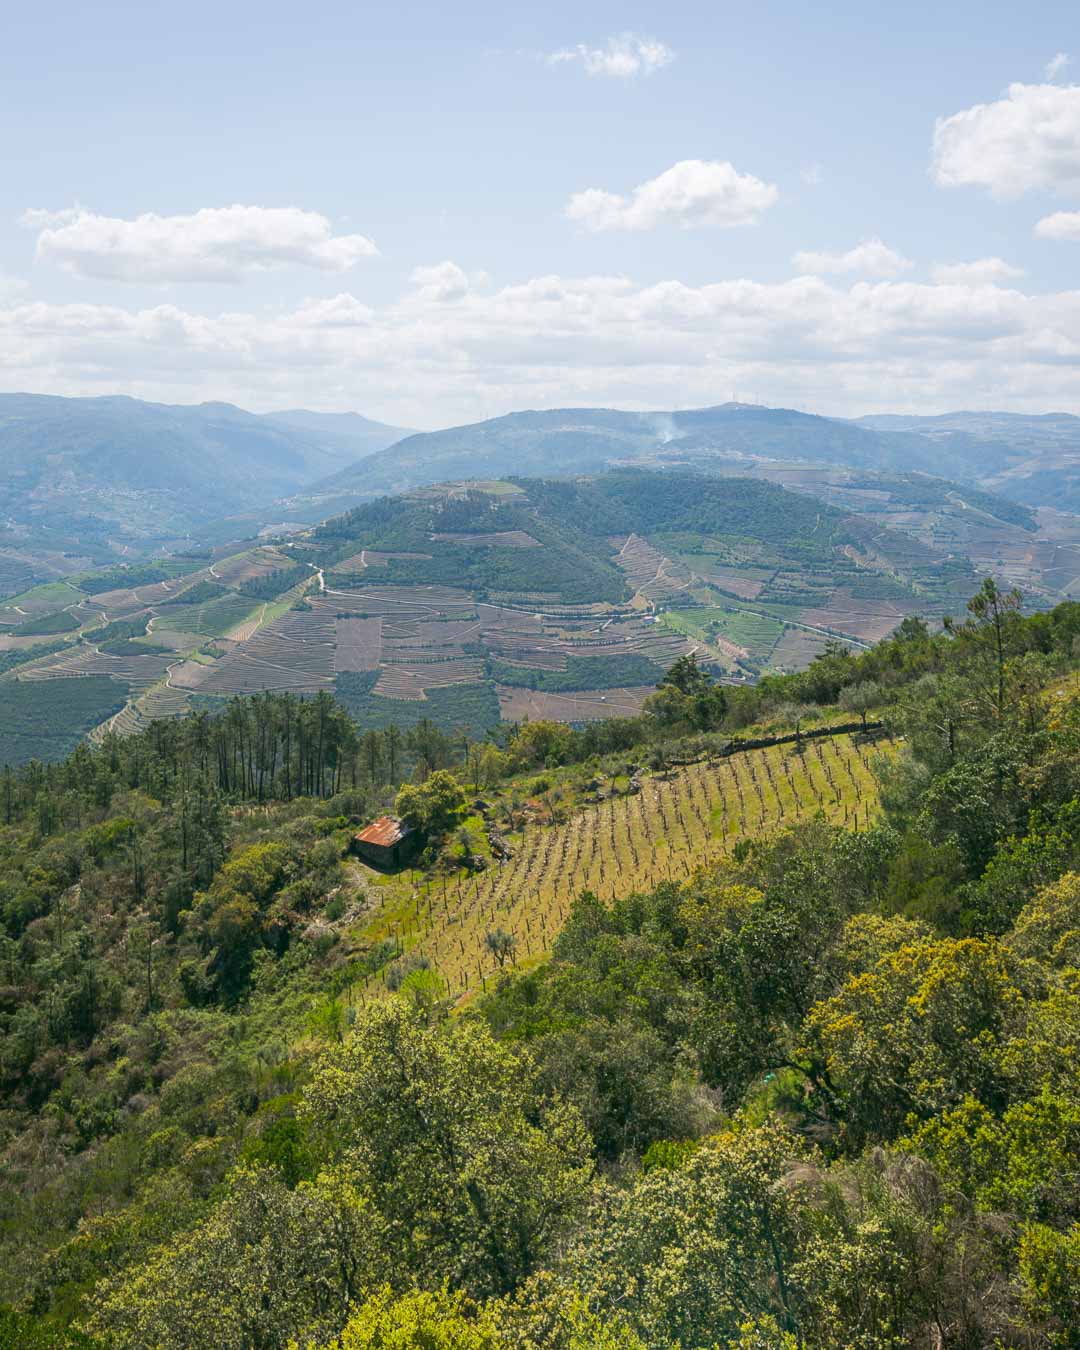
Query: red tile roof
point(384, 832)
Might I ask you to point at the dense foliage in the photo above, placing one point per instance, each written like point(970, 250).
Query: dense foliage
point(458, 541)
point(48, 718)
point(60, 621)
point(581, 673)
point(824, 1093)
point(127, 576)
point(621, 502)
point(472, 708)
point(272, 584)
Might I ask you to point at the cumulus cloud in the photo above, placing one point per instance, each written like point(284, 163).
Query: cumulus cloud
point(445, 282)
point(553, 341)
point(980, 272)
point(692, 193)
point(1027, 140)
point(622, 57)
point(1056, 65)
point(1061, 225)
point(218, 244)
point(870, 258)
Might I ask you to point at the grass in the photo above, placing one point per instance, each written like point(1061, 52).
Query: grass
point(676, 824)
point(48, 625)
point(213, 619)
point(757, 633)
point(42, 599)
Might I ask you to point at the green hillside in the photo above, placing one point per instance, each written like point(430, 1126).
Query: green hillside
point(473, 604)
point(569, 560)
point(732, 1024)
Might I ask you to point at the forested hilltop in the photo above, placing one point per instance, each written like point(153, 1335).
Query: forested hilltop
point(752, 1020)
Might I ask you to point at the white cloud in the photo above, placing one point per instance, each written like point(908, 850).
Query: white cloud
point(554, 341)
point(444, 282)
point(692, 193)
point(622, 57)
point(1056, 65)
point(214, 244)
point(870, 258)
point(980, 272)
point(1027, 140)
point(1061, 225)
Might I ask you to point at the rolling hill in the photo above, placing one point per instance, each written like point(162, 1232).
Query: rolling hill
point(353, 435)
point(492, 600)
point(583, 440)
point(466, 606)
point(1033, 460)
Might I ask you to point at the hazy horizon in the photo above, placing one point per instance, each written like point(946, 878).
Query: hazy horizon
point(411, 426)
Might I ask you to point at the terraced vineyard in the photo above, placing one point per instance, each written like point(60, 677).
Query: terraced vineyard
point(691, 817)
point(295, 652)
point(653, 576)
point(468, 606)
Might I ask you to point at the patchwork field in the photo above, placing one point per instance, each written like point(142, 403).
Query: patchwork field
point(366, 558)
point(250, 566)
point(654, 576)
point(468, 604)
point(295, 652)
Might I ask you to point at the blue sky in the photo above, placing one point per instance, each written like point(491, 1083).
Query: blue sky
point(449, 212)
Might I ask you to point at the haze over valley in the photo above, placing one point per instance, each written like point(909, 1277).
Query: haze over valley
point(200, 571)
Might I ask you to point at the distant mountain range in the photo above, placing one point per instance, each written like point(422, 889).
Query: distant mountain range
point(584, 440)
point(1031, 459)
point(118, 476)
point(349, 433)
point(104, 472)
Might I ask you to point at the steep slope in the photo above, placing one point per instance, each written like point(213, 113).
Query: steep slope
point(699, 1011)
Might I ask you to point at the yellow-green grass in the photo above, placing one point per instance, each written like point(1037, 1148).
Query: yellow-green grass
point(43, 599)
point(679, 822)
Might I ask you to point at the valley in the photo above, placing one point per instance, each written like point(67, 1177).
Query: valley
point(540, 678)
point(480, 603)
point(490, 599)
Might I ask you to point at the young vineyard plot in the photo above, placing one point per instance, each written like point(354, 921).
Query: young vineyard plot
point(294, 653)
point(677, 822)
point(519, 705)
